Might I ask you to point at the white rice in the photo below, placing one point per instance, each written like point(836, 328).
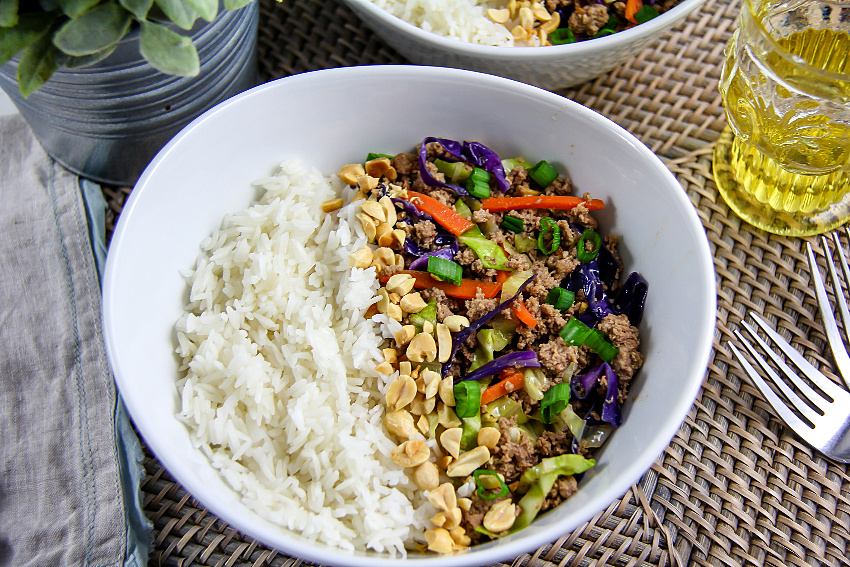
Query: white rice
point(465, 20)
point(280, 389)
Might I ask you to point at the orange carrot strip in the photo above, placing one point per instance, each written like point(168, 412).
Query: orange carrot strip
point(468, 289)
point(632, 7)
point(523, 314)
point(502, 276)
point(446, 216)
point(560, 202)
point(508, 384)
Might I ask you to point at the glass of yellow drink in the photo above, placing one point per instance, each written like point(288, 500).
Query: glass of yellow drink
point(783, 164)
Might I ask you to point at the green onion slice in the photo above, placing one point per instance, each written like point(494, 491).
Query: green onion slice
point(561, 298)
point(478, 183)
point(371, 155)
point(513, 224)
point(575, 332)
point(445, 270)
point(543, 174)
point(583, 254)
point(554, 401)
point(483, 492)
point(467, 398)
point(548, 225)
point(645, 14)
point(598, 343)
point(561, 36)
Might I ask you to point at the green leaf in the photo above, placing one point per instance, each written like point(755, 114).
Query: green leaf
point(36, 66)
point(74, 8)
point(30, 27)
point(235, 4)
point(206, 9)
point(178, 12)
point(8, 13)
point(168, 51)
point(138, 8)
point(72, 62)
point(94, 30)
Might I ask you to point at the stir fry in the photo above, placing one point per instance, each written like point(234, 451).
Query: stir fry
point(514, 339)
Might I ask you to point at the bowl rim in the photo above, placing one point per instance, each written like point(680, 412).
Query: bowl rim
point(316, 552)
point(610, 42)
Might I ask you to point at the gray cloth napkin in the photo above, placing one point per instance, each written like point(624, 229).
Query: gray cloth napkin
point(71, 463)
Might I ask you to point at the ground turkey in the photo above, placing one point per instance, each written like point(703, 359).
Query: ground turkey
point(625, 338)
point(564, 487)
point(589, 19)
point(512, 458)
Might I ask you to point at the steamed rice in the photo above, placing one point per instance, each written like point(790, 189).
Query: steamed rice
point(280, 388)
point(465, 20)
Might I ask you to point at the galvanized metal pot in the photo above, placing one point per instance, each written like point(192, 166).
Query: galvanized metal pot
point(107, 121)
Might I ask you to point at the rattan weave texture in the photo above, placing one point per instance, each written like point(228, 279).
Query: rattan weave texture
point(735, 487)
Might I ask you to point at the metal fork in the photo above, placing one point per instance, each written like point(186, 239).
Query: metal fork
point(822, 419)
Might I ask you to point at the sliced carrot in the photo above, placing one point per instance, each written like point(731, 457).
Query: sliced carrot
point(508, 384)
point(632, 7)
point(502, 276)
point(468, 289)
point(523, 314)
point(560, 202)
point(446, 216)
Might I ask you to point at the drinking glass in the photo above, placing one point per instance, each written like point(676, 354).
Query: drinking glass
point(783, 164)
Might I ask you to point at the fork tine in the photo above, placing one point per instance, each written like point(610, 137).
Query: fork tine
point(803, 429)
point(839, 352)
point(789, 394)
point(826, 385)
point(837, 288)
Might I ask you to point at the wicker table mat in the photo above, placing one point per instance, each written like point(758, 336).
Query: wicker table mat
point(735, 487)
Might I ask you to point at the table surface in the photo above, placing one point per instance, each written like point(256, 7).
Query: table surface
point(735, 486)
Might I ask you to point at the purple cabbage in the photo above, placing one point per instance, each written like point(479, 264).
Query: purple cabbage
point(411, 209)
point(583, 385)
point(519, 359)
point(421, 263)
point(632, 298)
point(586, 278)
point(475, 153)
point(461, 337)
point(449, 247)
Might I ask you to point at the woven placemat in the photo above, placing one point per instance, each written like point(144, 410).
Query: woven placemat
point(735, 486)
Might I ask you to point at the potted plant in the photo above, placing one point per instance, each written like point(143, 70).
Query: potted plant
point(104, 84)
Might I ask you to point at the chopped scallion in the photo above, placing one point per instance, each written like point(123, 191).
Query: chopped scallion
point(598, 343)
point(454, 171)
point(510, 164)
point(482, 491)
point(562, 36)
point(645, 14)
point(445, 270)
point(467, 398)
point(592, 237)
point(513, 224)
point(554, 401)
point(548, 226)
point(543, 174)
point(371, 155)
point(561, 298)
point(478, 183)
point(575, 332)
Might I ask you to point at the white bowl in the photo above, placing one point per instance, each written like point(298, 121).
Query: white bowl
point(332, 117)
point(552, 67)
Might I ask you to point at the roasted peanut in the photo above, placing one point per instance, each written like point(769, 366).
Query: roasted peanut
point(426, 476)
point(366, 183)
point(432, 381)
point(421, 348)
point(361, 258)
point(401, 284)
point(459, 536)
point(385, 368)
point(389, 210)
point(499, 16)
point(447, 391)
point(444, 343)
point(369, 226)
point(394, 312)
point(501, 516)
point(404, 336)
point(383, 300)
point(404, 367)
point(331, 205)
point(443, 497)
point(447, 417)
point(468, 462)
point(439, 540)
point(401, 392)
point(423, 425)
point(381, 167)
point(489, 437)
point(412, 302)
point(374, 210)
point(383, 257)
point(400, 424)
point(456, 323)
point(411, 453)
point(448, 519)
point(390, 355)
point(450, 440)
point(349, 173)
